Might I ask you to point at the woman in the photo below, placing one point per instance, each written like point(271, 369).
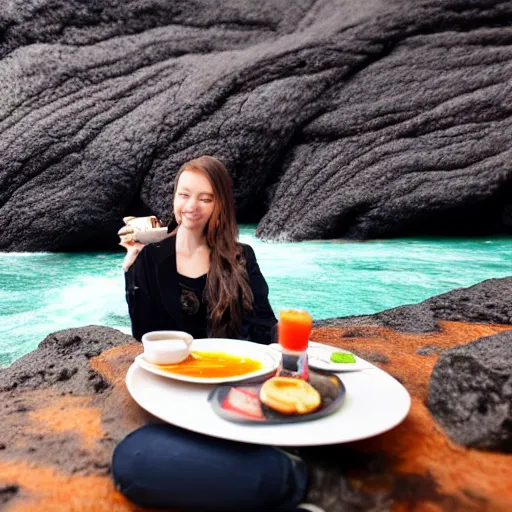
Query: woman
point(200, 279)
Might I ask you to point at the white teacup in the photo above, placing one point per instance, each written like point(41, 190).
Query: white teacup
point(166, 347)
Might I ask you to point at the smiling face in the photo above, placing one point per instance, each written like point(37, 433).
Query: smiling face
point(194, 201)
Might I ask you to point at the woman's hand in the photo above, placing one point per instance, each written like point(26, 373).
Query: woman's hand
point(128, 237)
point(132, 249)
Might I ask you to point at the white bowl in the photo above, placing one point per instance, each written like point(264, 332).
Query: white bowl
point(166, 347)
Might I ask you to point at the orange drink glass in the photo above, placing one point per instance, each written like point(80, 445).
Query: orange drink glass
point(294, 328)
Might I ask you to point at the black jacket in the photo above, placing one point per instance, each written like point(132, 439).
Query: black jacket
point(153, 294)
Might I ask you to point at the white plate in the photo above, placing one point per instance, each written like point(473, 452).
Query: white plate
point(375, 402)
point(268, 357)
point(319, 354)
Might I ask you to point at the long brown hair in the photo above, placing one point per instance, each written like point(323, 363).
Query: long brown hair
point(227, 292)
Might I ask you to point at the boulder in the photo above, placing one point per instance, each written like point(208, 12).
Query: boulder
point(61, 409)
point(336, 120)
point(61, 360)
point(470, 393)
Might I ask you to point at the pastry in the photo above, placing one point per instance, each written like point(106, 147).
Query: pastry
point(138, 224)
point(289, 395)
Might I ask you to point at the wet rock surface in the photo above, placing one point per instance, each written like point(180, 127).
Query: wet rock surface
point(470, 393)
point(336, 119)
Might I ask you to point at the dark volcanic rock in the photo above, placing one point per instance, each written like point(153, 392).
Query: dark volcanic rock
point(58, 431)
point(61, 360)
point(344, 119)
point(408, 144)
point(470, 393)
point(487, 302)
point(65, 405)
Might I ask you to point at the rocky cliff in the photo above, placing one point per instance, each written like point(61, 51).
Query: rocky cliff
point(65, 406)
point(336, 119)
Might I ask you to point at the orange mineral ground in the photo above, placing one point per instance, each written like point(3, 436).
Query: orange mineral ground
point(55, 446)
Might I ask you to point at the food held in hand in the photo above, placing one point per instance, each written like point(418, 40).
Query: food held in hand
point(341, 357)
point(127, 235)
point(289, 395)
point(294, 328)
point(137, 224)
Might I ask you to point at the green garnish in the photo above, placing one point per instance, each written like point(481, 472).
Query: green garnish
point(340, 357)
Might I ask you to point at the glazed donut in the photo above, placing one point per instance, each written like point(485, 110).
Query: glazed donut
point(290, 395)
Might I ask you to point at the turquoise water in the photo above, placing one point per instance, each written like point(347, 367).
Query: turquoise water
point(42, 293)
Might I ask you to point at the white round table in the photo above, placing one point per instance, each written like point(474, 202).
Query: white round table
point(375, 402)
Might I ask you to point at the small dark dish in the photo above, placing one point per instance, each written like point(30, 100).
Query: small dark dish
point(240, 403)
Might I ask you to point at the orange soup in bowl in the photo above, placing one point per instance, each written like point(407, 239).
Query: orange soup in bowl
point(210, 365)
